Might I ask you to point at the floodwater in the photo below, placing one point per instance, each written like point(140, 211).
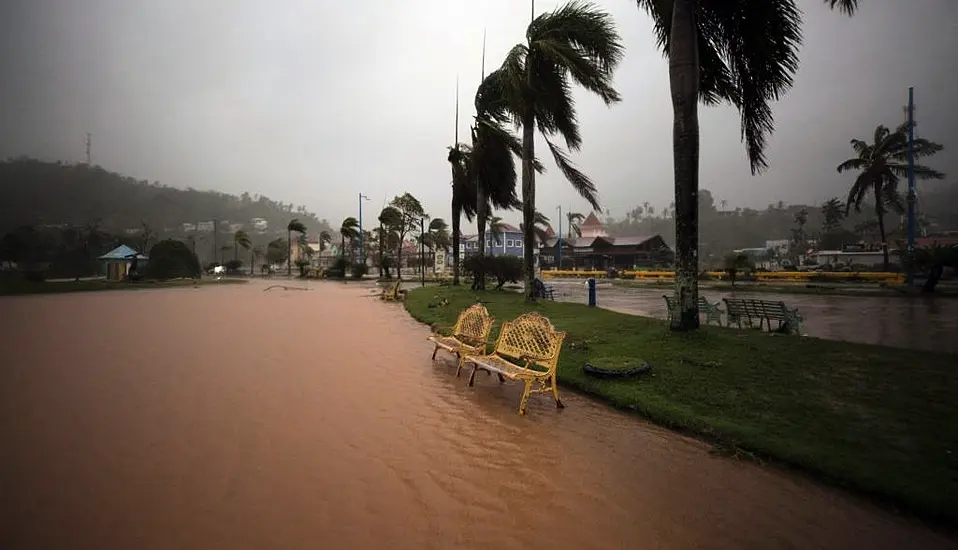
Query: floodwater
point(927, 323)
point(230, 417)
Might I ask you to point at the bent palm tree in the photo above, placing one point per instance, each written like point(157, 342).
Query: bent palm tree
point(463, 198)
point(880, 165)
point(541, 228)
point(297, 226)
point(348, 230)
point(743, 52)
point(240, 240)
point(575, 43)
point(575, 219)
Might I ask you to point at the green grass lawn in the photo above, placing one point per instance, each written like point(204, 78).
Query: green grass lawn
point(14, 287)
point(874, 419)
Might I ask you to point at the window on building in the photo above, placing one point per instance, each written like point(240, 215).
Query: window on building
point(510, 243)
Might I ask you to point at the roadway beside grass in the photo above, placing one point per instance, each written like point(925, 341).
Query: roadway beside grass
point(873, 419)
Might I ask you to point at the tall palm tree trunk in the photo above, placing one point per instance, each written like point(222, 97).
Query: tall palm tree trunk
point(684, 85)
point(528, 203)
point(879, 211)
point(456, 215)
point(289, 253)
point(479, 283)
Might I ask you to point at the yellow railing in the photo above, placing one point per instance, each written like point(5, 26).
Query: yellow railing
point(782, 276)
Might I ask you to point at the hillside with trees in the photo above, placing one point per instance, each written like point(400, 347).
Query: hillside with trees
point(34, 192)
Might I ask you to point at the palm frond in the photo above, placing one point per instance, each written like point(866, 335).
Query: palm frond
point(845, 6)
point(580, 182)
point(747, 56)
point(852, 164)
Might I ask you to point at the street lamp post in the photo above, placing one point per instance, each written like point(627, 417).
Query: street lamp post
point(362, 237)
point(912, 196)
point(559, 241)
point(422, 251)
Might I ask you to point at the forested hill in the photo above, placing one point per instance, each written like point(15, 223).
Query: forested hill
point(34, 192)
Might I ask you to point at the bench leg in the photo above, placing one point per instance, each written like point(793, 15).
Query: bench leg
point(461, 363)
point(434, 352)
point(555, 393)
point(525, 397)
point(472, 377)
point(501, 378)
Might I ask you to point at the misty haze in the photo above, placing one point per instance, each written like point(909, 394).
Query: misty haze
point(487, 274)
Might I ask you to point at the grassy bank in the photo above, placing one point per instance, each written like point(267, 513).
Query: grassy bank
point(875, 419)
point(15, 287)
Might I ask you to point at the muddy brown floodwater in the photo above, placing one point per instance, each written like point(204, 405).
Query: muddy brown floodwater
point(230, 417)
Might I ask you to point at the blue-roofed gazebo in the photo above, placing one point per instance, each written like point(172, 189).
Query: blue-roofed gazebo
point(118, 262)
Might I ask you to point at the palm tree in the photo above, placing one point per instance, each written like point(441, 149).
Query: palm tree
point(437, 236)
point(540, 228)
point(574, 219)
point(348, 230)
point(496, 228)
point(738, 51)
point(833, 211)
point(256, 254)
point(325, 239)
point(297, 226)
point(575, 43)
point(240, 240)
point(880, 165)
point(463, 199)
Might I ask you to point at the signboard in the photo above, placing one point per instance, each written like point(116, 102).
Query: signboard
point(439, 265)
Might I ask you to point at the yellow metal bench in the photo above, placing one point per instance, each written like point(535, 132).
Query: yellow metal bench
point(392, 293)
point(468, 336)
point(527, 350)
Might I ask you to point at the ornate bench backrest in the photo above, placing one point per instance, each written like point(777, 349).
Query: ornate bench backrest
point(736, 306)
point(531, 336)
point(474, 324)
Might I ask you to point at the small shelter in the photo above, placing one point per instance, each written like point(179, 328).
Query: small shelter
point(118, 262)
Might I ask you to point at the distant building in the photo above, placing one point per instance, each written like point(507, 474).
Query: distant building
point(205, 227)
point(604, 252)
point(188, 227)
point(591, 227)
point(259, 224)
point(118, 261)
point(508, 243)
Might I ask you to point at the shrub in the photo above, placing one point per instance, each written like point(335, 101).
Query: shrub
point(504, 269)
point(338, 269)
point(170, 259)
point(233, 266)
point(359, 270)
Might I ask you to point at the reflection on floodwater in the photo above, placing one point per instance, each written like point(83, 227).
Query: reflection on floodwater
point(921, 322)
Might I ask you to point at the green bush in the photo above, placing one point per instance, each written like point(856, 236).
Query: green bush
point(338, 269)
point(233, 266)
point(171, 259)
point(504, 269)
point(359, 270)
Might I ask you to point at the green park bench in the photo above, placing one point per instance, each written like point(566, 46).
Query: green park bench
point(711, 310)
point(746, 311)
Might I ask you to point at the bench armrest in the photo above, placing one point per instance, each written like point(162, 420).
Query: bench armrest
point(442, 330)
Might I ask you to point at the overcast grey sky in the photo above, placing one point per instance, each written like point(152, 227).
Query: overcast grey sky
point(312, 102)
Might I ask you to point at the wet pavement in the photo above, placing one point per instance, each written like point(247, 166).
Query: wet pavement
point(919, 322)
point(230, 417)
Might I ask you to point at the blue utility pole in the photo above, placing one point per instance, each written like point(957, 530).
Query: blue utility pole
point(912, 194)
